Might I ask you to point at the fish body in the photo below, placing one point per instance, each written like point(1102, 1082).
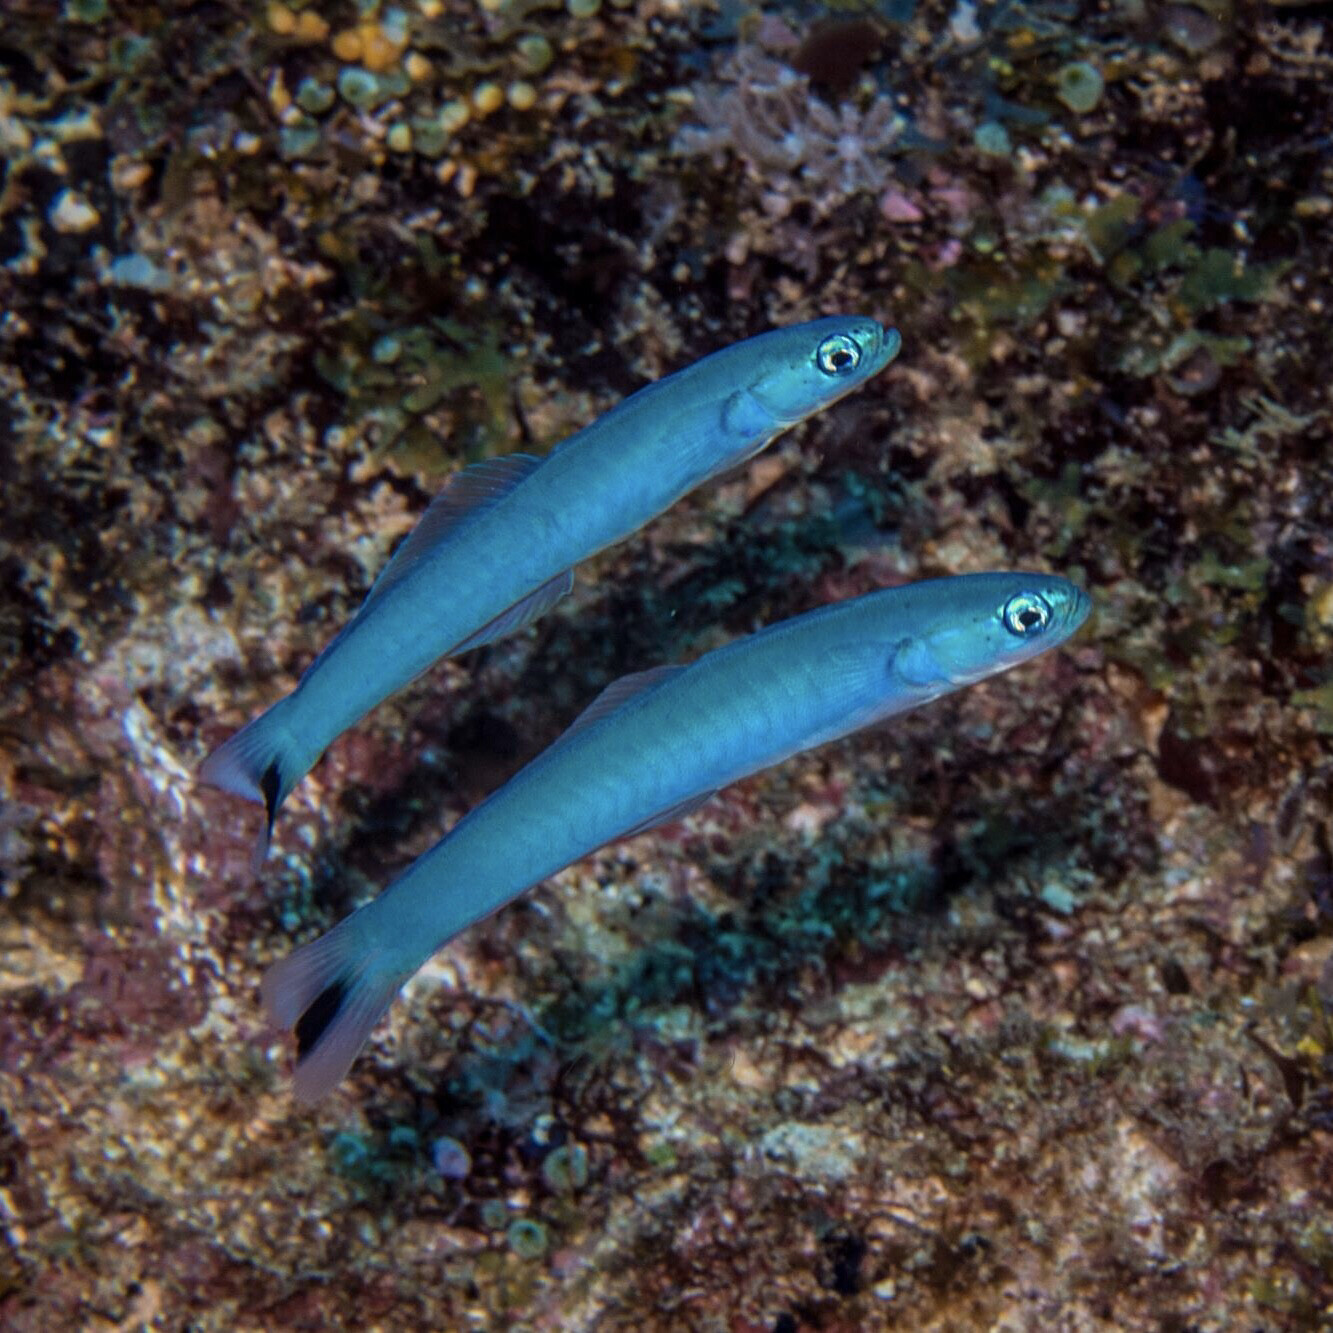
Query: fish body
point(497, 547)
point(651, 748)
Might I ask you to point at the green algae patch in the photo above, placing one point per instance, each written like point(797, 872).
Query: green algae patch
point(440, 368)
point(1109, 227)
point(1218, 276)
point(998, 293)
point(1320, 702)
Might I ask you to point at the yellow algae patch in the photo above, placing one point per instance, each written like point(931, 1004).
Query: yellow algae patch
point(278, 96)
point(454, 115)
point(281, 20)
point(310, 27)
point(305, 27)
point(372, 45)
point(347, 44)
point(380, 50)
point(521, 95)
point(1321, 607)
point(488, 97)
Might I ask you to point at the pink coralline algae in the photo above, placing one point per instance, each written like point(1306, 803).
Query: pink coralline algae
point(795, 146)
point(895, 206)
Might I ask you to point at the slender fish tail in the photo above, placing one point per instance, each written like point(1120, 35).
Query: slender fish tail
point(262, 762)
point(332, 992)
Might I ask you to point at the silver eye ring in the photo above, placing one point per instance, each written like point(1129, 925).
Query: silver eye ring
point(1026, 614)
point(838, 354)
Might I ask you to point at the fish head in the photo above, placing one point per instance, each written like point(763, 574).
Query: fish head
point(805, 367)
point(980, 624)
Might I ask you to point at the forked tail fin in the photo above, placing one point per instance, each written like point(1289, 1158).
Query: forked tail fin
point(261, 764)
point(332, 992)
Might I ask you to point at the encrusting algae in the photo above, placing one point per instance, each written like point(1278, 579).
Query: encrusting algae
point(1015, 1014)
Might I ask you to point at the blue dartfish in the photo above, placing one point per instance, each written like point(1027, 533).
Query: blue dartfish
point(496, 549)
point(651, 748)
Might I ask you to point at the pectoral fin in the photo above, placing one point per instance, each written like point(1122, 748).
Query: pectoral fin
point(915, 663)
point(746, 427)
point(745, 418)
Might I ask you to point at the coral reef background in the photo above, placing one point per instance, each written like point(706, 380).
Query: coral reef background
point(1013, 1014)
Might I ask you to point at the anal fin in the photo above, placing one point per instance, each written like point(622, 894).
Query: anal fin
point(523, 612)
point(672, 813)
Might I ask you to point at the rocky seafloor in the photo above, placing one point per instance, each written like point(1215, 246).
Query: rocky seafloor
point(1014, 1014)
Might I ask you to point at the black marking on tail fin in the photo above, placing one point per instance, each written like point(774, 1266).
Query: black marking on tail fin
point(322, 1010)
point(271, 785)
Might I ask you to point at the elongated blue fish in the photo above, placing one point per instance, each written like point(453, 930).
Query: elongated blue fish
point(496, 548)
point(651, 748)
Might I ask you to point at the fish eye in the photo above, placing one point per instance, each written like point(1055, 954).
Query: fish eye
point(1026, 614)
point(838, 354)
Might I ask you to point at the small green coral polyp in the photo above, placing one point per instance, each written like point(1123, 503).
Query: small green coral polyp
point(566, 1168)
point(1079, 86)
point(535, 52)
point(386, 350)
point(314, 97)
point(527, 1238)
point(300, 140)
point(992, 139)
point(359, 87)
point(86, 11)
point(429, 137)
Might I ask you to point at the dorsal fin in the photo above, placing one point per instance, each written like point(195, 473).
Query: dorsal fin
point(616, 695)
point(620, 692)
point(465, 493)
point(523, 612)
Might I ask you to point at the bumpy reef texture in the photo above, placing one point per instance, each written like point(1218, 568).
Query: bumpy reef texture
point(1017, 1013)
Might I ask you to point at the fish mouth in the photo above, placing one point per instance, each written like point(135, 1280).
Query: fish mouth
point(1074, 603)
point(889, 342)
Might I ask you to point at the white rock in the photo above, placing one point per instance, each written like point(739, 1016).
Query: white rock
point(71, 212)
